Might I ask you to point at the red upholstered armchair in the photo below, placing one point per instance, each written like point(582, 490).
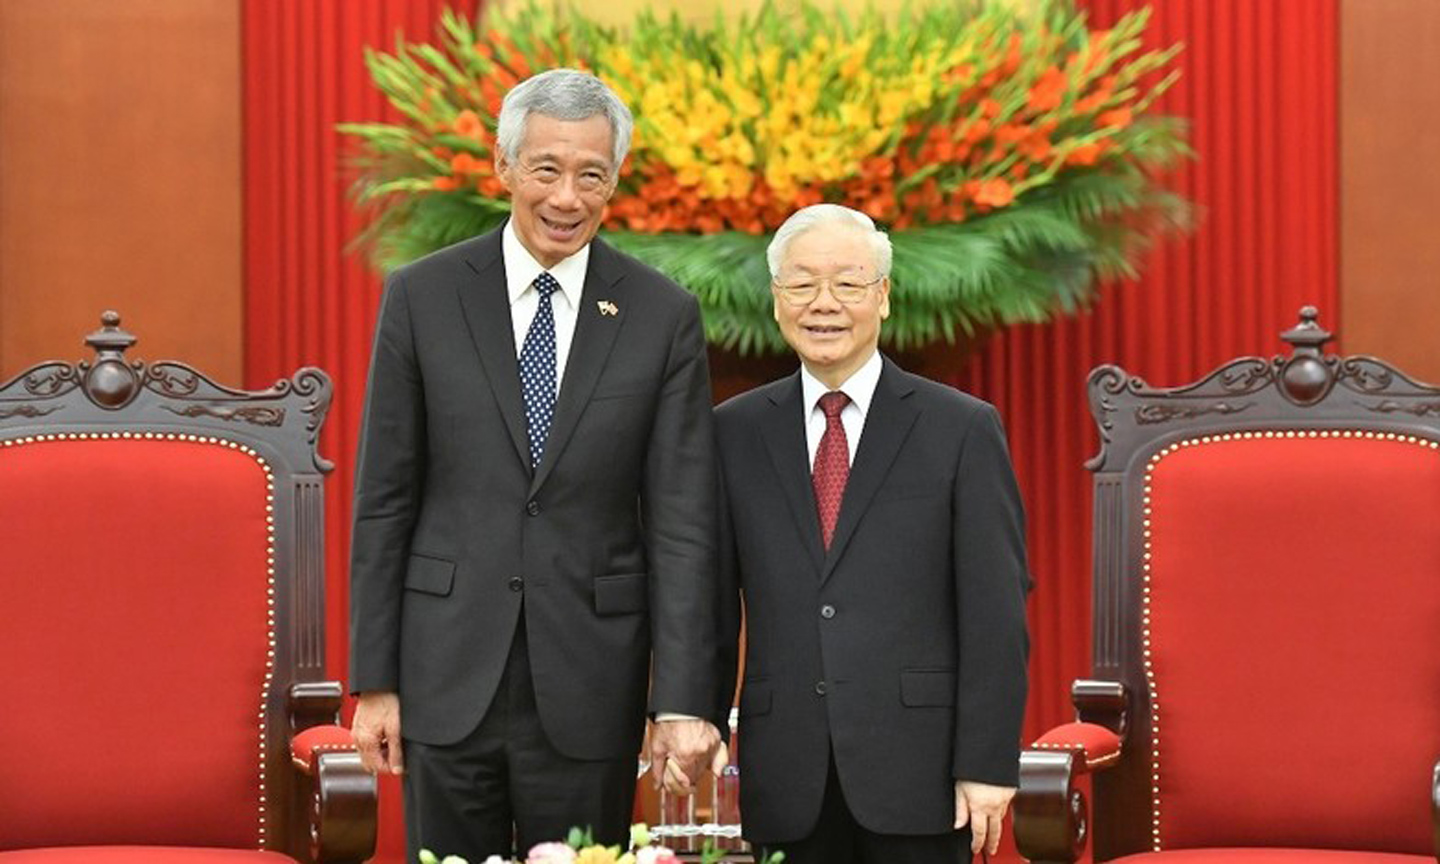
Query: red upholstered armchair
point(1266, 681)
point(162, 645)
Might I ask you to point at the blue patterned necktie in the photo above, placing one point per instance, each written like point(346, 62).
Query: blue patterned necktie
point(537, 369)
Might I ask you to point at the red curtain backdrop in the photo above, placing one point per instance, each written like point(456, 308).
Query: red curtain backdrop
point(1259, 88)
point(308, 301)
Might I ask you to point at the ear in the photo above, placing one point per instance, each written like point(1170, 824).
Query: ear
point(885, 299)
point(504, 169)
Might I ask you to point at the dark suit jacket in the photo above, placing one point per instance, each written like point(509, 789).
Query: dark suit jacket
point(610, 544)
point(904, 648)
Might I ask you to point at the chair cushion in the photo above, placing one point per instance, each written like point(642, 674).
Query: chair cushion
point(1292, 599)
point(1096, 745)
point(141, 855)
point(135, 643)
point(306, 747)
point(1262, 856)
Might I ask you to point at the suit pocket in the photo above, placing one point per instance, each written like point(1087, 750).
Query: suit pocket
point(927, 688)
point(630, 393)
point(906, 492)
point(621, 594)
point(755, 698)
point(430, 575)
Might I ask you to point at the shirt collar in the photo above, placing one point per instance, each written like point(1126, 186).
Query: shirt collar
point(521, 268)
point(860, 386)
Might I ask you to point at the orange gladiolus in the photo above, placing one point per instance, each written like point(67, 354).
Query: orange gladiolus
point(463, 163)
point(1012, 57)
point(1036, 147)
point(989, 108)
point(467, 124)
point(1086, 154)
point(1048, 92)
point(960, 73)
point(976, 131)
point(504, 78)
point(1011, 133)
point(445, 184)
point(1117, 117)
point(994, 193)
point(878, 166)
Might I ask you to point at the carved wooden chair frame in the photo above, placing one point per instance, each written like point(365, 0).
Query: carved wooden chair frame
point(318, 804)
point(1305, 392)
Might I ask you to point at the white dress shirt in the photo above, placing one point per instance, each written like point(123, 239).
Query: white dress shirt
point(521, 270)
point(860, 387)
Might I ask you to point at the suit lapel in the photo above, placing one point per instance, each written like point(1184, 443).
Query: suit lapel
point(892, 413)
point(486, 304)
point(784, 436)
point(595, 334)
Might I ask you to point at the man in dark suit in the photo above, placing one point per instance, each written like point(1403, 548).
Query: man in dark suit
point(534, 510)
point(871, 521)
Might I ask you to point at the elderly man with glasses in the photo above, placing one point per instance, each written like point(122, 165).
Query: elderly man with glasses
point(872, 527)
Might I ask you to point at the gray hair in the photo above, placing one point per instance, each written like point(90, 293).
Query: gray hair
point(808, 218)
point(565, 94)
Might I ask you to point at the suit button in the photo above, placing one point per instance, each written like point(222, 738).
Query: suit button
point(827, 611)
point(819, 688)
point(533, 508)
point(517, 584)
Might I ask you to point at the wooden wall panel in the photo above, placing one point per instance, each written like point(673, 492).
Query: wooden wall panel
point(1390, 181)
point(120, 178)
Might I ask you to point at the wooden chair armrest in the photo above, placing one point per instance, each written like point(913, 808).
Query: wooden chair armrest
point(1435, 807)
point(1051, 814)
point(315, 703)
point(344, 797)
point(1104, 703)
point(1051, 819)
point(343, 809)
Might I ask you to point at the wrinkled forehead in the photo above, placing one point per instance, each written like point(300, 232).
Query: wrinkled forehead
point(587, 139)
point(831, 247)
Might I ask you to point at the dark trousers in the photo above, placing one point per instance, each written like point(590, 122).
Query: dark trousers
point(838, 838)
point(504, 788)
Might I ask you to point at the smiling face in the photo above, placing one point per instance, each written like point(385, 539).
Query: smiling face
point(559, 183)
point(832, 338)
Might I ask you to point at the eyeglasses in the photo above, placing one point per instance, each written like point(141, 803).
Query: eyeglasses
point(847, 289)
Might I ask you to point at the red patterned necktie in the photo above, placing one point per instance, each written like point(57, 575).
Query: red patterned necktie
point(832, 464)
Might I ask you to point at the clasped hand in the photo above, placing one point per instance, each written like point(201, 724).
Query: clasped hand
point(681, 750)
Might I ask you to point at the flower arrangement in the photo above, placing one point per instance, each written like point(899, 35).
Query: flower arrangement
point(1009, 150)
point(580, 848)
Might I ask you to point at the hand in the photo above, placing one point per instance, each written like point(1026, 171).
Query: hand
point(376, 729)
point(679, 750)
point(983, 806)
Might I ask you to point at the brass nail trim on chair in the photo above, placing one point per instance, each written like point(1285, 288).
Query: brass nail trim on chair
point(210, 440)
point(1146, 613)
